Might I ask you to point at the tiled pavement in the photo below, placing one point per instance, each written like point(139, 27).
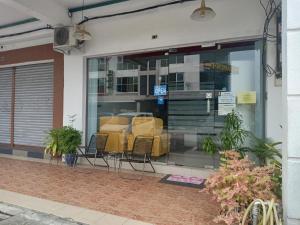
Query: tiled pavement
point(14, 215)
point(146, 200)
point(42, 211)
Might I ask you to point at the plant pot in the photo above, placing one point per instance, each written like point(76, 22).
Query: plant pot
point(70, 159)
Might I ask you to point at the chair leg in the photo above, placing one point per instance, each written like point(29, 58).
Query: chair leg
point(107, 165)
point(75, 162)
point(120, 166)
point(132, 166)
point(95, 159)
point(88, 161)
point(120, 163)
point(126, 156)
point(115, 162)
point(144, 164)
point(151, 164)
point(105, 161)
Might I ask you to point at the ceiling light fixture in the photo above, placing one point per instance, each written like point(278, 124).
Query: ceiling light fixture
point(81, 33)
point(203, 13)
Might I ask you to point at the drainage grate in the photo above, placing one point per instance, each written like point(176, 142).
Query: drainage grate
point(4, 216)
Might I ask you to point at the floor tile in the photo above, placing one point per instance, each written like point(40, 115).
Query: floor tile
point(89, 216)
point(111, 220)
point(135, 222)
point(147, 200)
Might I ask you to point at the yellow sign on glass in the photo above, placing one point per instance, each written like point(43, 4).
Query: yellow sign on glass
point(247, 97)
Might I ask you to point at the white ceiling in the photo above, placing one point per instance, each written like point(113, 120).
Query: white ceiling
point(10, 15)
point(76, 3)
point(54, 12)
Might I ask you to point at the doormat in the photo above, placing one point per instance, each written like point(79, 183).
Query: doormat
point(186, 181)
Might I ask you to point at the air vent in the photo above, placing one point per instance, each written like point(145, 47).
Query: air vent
point(63, 38)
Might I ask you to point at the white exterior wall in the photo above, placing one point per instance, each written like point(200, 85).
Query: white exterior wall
point(274, 95)
point(236, 19)
point(291, 110)
point(274, 114)
point(73, 90)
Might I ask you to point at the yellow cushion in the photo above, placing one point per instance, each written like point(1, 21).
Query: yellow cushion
point(150, 126)
point(113, 128)
point(116, 142)
point(147, 126)
point(114, 120)
point(116, 127)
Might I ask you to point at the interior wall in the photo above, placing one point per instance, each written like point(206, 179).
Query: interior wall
point(235, 20)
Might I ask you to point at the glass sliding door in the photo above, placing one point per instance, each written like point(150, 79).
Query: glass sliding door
point(211, 84)
point(191, 114)
point(122, 102)
point(178, 97)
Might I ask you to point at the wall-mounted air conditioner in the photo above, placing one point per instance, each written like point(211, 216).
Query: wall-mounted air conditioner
point(64, 40)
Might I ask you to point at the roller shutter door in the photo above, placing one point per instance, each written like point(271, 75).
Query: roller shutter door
point(5, 104)
point(33, 104)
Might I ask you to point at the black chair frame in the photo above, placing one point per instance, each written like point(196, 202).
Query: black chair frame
point(131, 157)
point(99, 153)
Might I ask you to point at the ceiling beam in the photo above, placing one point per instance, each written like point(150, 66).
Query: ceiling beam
point(95, 5)
point(49, 12)
point(17, 23)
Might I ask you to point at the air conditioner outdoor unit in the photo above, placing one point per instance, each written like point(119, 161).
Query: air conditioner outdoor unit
point(63, 39)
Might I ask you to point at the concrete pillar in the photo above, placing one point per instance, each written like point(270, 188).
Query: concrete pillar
point(291, 110)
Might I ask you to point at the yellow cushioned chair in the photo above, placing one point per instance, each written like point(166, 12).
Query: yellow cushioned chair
point(152, 127)
point(117, 129)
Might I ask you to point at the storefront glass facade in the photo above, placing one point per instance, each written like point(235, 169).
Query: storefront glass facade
point(179, 96)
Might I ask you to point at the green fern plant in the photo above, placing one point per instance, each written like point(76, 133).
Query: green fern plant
point(277, 178)
point(233, 135)
point(264, 149)
point(209, 146)
point(63, 140)
point(52, 143)
point(70, 139)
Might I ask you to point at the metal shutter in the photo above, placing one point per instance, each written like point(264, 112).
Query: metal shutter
point(5, 104)
point(33, 104)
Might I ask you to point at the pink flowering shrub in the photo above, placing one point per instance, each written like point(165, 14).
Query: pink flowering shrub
point(237, 184)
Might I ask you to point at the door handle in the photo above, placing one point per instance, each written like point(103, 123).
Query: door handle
point(208, 105)
point(208, 97)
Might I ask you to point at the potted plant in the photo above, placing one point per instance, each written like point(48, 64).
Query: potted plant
point(53, 145)
point(210, 147)
point(232, 137)
point(65, 141)
point(237, 184)
point(70, 139)
point(264, 149)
